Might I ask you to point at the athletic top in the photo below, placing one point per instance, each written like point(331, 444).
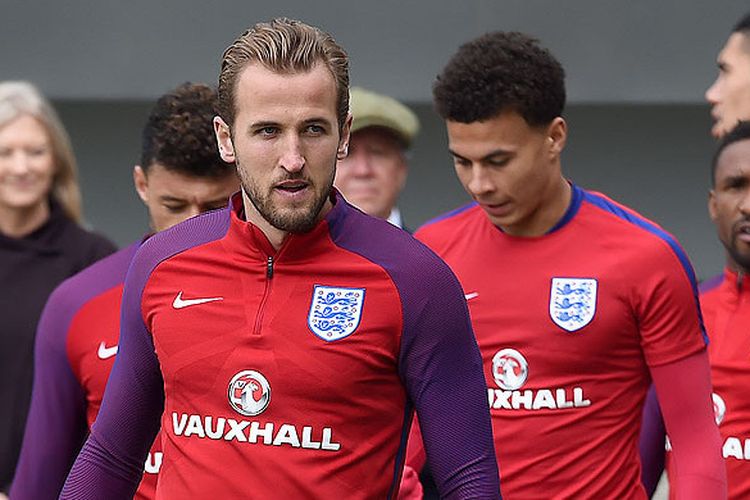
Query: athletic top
point(568, 324)
point(725, 301)
point(290, 373)
point(75, 349)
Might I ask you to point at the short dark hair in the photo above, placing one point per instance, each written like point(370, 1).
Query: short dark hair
point(501, 71)
point(179, 133)
point(743, 25)
point(741, 132)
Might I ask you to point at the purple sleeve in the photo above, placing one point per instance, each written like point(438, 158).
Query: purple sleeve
point(653, 435)
point(112, 459)
point(440, 363)
point(442, 368)
point(110, 464)
point(57, 426)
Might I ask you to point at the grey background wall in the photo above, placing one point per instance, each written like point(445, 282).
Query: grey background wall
point(636, 70)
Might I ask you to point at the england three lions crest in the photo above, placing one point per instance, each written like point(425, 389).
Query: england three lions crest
point(572, 302)
point(335, 312)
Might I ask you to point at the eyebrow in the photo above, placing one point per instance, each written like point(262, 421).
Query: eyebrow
point(488, 156)
point(172, 198)
point(258, 125)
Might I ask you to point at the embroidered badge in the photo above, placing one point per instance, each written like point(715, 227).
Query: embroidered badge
point(335, 312)
point(572, 302)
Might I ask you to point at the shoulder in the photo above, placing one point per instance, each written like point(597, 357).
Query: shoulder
point(638, 233)
point(184, 236)
point(79, 289)
point(411, 264)
point(449, 220)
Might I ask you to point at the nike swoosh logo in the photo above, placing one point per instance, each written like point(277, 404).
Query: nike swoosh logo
point(472, 295)
point(180, 303)
point(105, 352)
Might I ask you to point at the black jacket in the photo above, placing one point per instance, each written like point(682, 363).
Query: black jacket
point(30, 268)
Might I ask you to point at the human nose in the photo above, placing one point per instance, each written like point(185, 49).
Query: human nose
point(712, 92)
point(744, 203)
point(19, 162)
point(479, 182)
point(292, 158)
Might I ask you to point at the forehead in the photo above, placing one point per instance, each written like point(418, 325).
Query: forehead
point(267, 95)
point(736, 50)
point(508, 130)
point(24, 127)
point(734, 160)
point(179, 185)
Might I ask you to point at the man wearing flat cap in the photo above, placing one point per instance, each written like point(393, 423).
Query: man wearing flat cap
point(374, 172)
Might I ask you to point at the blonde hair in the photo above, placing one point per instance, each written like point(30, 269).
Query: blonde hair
point(22, 98)
point(284, 46)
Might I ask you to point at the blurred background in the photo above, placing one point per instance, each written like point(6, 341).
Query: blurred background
point(636, 74)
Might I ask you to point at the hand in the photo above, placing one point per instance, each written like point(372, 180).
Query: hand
point(411, 488)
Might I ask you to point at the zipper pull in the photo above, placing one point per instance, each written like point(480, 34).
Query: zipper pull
point(269, 267)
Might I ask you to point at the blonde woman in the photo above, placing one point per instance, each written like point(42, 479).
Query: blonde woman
point(41, 244)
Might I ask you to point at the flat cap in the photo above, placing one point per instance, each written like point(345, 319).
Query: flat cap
point(370, 109)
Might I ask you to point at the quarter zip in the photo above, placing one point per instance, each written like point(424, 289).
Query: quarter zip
point(264, 299)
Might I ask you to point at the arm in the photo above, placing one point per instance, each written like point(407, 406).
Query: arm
point(442, 369)
point(56, 426)
point(110, 464)
point(684, 392)
point(653, 435)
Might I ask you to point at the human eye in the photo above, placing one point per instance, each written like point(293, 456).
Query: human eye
point(315, 129)
point(174, 209)
point(267, 131)
point(37, 152)
point(498, 162)
point(461, 162)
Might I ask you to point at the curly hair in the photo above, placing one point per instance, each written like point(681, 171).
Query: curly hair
point(179, 133)
point(497, 72)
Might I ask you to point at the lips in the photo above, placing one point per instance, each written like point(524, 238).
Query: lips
point(497, 209)
point(292, 186)
point(741, 231)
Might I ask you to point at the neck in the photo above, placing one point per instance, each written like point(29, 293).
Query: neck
point(736, 267)
point(17, 223)
point(557, 200)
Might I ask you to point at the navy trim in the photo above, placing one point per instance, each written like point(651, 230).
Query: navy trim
point(711, 283)
point(652, 228)
point(401, 454)
point(448, 215)
point(575, 203)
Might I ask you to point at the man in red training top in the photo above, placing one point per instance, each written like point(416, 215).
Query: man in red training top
point(725, 301)
point(284, 342)
point(180, 175)
point(577, 301)
point(726, 309)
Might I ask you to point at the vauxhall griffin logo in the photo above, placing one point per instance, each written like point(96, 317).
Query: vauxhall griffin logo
point(720, 408)
point(249, 393)
point(509, 369)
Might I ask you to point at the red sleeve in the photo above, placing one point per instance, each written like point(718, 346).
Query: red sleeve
point(415, 454)
point(683, 388)
point(666, 304)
